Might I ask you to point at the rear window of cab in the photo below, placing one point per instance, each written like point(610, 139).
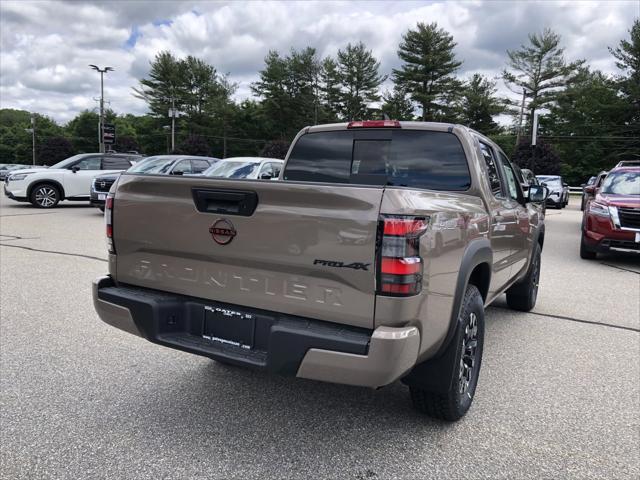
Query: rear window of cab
point(394, 157)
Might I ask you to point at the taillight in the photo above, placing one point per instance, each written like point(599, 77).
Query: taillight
point(400, 265)
point(374, 124)
point(108, 219)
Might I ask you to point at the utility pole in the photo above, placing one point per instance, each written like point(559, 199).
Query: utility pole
point(102, 71)
point(520, 121)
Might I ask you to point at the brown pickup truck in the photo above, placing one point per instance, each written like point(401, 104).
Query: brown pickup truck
point(371, 260)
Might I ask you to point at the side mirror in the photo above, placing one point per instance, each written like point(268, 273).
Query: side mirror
point(525, 187)
point(537, 193)
point(266, 176)
point(591, 189)
point(75, 169)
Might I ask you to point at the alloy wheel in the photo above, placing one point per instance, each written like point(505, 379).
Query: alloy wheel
point(468, 357)
point(46, 197)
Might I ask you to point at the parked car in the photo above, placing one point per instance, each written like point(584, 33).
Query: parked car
point(328, 274)
point(589, 191)
point(611, 221)
point(174, 164)
point(100, 187)
point(558, 190)
point(69, 179)
point(159, 164)
point(527, 178)
point(583, 200)
point(628, 163)
point(247, 167)
point(6, 168)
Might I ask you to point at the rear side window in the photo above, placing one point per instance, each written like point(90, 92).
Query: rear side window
point(199, 166)
point(492, 170)
point(115, 163)
point(407, 158)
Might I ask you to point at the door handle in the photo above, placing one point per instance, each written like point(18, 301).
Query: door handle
point(226, 202)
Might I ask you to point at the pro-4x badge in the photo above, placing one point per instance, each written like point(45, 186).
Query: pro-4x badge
point(332, 263)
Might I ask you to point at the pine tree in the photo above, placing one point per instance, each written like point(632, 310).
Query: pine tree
point(397, 105)
point(428, 70)
point(627, 56)
point(540, 69)
point(479, 104)
point(359, 78)
point(330, 92)
point(162, 85)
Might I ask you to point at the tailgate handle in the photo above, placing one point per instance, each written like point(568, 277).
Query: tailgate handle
point(227, 202)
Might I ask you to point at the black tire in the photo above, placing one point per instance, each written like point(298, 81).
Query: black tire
point(523, 295)
point(101, 209)
point(585, 252)
point(45, 195)
point(466, 351)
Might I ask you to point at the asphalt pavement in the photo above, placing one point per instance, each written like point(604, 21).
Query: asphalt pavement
point(558, 394)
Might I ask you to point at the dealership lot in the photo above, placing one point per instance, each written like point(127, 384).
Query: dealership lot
point(558, 392)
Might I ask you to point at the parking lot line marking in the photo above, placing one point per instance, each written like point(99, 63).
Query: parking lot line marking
point(26, 214)
point(90, 257)
point(579, 320)
point(620, 268)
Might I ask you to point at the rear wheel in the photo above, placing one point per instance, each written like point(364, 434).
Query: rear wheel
point(465, 350)
point(523, 295)
point(586, 252)
point(45, 195)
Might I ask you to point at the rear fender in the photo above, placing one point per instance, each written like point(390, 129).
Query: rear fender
point(436, 374)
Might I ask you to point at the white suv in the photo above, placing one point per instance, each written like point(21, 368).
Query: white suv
point(69, 179)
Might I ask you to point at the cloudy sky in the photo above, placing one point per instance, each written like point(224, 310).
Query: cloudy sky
point(46, 46)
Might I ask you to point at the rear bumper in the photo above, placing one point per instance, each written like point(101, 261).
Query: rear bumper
point(283, 344)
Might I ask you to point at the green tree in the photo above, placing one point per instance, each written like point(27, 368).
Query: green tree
point(397, 105)
point(540, 69)
point(479, 104)
point(428, 71)
point(360, 79)
point(627, 56)
point(53, 150)
point(330, 89)
point(221, 108)
point(542, 158)
point(288, 87)
point(194, 145)
point(586, 122)
point(163, 84)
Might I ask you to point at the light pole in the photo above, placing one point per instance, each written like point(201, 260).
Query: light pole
point(102, 72)
point(32, 131)
point(173, 113)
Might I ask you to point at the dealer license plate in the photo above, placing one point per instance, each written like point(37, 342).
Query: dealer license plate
point(229, 327)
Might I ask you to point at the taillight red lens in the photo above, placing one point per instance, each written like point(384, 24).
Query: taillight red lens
point(404, 227)
point(400, 265)
point(374, 124)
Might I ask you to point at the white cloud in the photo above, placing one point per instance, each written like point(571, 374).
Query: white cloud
point(45, 47)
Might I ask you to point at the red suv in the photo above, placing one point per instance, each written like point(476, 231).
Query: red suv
point(611, 220)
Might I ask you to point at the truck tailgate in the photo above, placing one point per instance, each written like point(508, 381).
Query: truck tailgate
point(307, 249)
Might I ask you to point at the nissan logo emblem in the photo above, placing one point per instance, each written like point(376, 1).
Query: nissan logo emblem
point(222, 231)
